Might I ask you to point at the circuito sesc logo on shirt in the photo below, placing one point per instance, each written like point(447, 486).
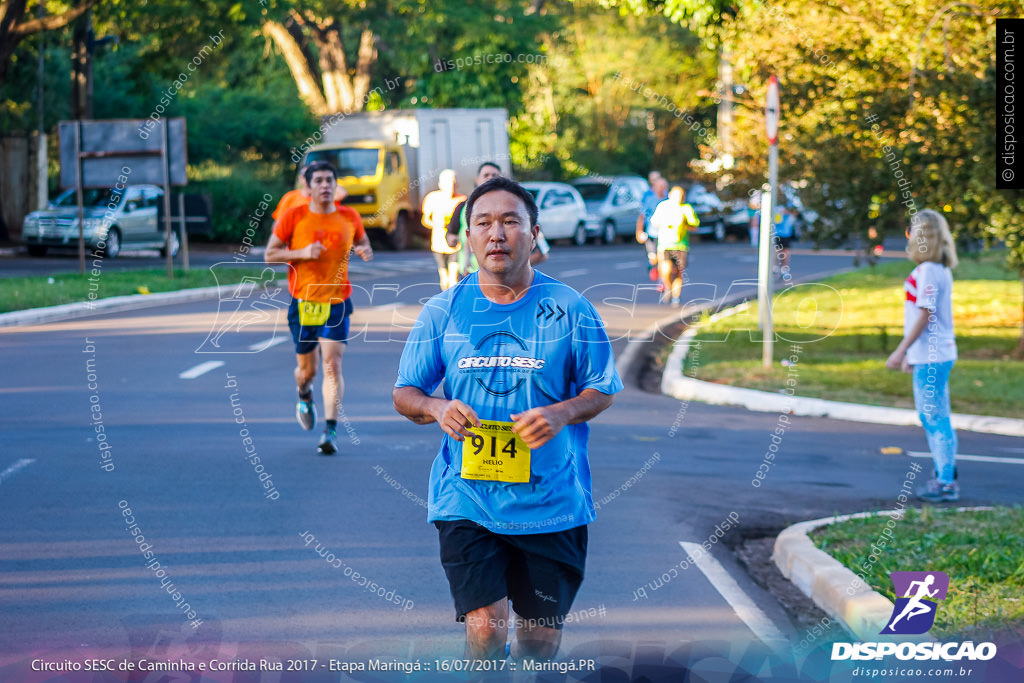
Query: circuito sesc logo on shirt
point(502, 363)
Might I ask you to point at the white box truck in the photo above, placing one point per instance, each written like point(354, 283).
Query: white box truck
point(389, 160)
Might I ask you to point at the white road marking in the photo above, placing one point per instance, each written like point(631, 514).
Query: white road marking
point(201, 369)
point(755, 619)
point(267, 343)
point(574, 273)
point(627, 266)
point(21, 464)
point(976, 458)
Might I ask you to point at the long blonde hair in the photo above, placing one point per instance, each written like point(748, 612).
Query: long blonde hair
point(931, 240)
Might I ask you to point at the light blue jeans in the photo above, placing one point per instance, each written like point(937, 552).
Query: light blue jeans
point(931, 397)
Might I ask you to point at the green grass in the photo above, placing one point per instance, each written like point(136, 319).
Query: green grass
point(19, 293)
point(980, 551)
point(848, 325)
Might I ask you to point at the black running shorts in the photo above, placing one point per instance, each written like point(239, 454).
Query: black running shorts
point(540, 573)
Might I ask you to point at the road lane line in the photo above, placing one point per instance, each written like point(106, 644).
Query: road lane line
point(745, 608)
point(976, 458)
point(201, 369)
point(574, 273)
point(267, 343)
point(21, 464)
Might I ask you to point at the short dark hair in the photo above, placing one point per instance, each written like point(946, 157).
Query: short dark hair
point(486, 164)
point(317, 166)
point(501, 183)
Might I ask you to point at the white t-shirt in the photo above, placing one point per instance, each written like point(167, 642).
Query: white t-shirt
point(930, 286)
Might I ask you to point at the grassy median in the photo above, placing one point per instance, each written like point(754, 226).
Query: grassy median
point(847, 325)
point(19, 293)
point(979, 551)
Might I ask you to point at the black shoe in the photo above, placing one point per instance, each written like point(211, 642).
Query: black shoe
point(328, 443)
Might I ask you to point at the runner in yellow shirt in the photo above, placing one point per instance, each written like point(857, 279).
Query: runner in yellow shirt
point(438, 207)
point(673, 219)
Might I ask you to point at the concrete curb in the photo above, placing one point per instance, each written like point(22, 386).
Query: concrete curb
point(674, 383)
point(838, 591)
point(35, 316)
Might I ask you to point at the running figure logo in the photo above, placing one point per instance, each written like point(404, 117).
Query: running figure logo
point(917, 596)
point(253, 303)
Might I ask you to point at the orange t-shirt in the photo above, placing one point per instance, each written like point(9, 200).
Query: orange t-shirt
point(325, 279)
point(290, 199)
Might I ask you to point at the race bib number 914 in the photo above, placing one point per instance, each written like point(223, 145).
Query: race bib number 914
point(493, 452)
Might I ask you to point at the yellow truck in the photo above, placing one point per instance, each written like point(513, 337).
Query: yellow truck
point(388, 161)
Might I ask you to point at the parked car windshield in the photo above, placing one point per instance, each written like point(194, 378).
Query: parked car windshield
point(348, 161)
point(592, 192)
point(94, 197)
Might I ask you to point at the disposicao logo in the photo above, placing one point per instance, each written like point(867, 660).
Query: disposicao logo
point(917, 597)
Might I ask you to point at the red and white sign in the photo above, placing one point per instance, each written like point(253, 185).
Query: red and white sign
point(771, 111)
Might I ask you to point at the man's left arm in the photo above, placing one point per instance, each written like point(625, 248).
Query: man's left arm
point(360, 241)
point(537, 426)
point(362, 248)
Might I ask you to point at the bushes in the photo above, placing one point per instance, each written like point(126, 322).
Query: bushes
point(236, 194)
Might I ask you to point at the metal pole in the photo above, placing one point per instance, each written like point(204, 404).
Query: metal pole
point(183, 227)
point(167, 199)
point(78, 195)
point(768, 256)
point(40, 72)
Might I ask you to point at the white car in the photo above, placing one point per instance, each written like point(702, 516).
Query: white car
point(560, 211)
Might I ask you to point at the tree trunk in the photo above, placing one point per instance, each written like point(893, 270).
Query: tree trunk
point(343, 91)
point(326, 86)
point(299, 65)
point(365, 62)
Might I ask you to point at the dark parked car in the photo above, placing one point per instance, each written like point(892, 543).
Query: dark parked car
point(711, 210)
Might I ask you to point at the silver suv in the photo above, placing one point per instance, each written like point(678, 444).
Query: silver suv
point(613, 204)
point(113, 221)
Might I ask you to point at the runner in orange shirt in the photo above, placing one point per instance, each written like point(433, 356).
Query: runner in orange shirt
point(315, 241)
point(292, 198)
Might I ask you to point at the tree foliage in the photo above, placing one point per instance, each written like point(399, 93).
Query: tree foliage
point(616, 94)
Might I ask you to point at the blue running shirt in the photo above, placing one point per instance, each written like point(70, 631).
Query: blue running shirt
point(502, 359)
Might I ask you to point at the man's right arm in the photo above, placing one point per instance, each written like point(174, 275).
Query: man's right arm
point(452, 416)
point(278, 251)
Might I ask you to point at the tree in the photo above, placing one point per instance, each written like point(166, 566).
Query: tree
point(14, 27)
point(334, 49)
point(617, 93)
point(326, 83)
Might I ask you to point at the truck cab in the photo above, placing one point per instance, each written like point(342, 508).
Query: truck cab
point(376, 176)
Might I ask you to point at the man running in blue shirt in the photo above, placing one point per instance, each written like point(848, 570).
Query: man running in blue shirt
point(645, 235)
point(525, 361)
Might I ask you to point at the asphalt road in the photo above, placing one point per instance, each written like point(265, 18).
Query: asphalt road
point(73, 581)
